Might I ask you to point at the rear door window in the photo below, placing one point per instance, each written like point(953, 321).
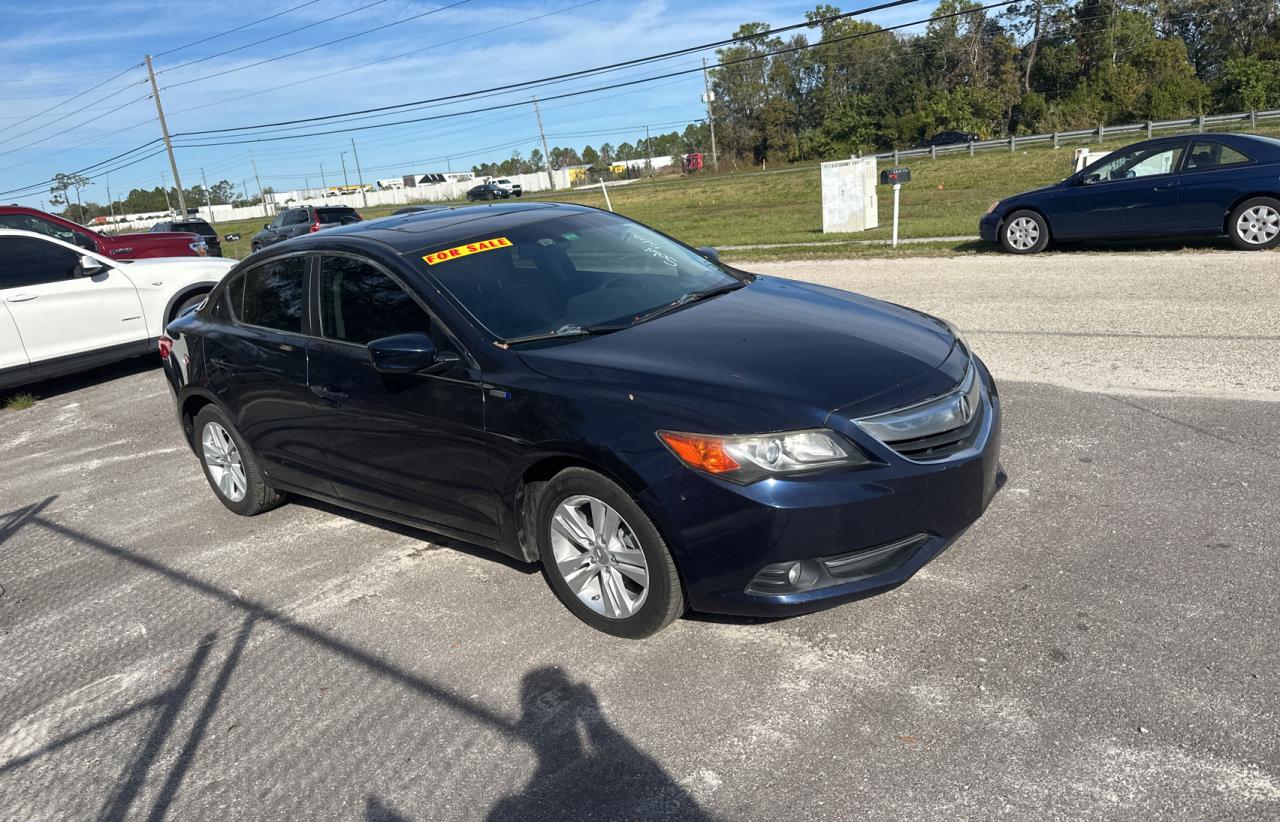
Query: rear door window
point(28, 222)
point(359, 303)
point(274, 295)
point(1211, 154)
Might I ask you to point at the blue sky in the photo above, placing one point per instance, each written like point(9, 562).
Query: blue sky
point(50, 51)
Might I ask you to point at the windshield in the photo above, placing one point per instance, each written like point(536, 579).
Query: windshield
point(574, 272)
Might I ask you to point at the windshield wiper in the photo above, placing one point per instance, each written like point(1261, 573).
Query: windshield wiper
point(571, 330)
point(685, 299)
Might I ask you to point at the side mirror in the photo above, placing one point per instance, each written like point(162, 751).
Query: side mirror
point(708, 252)
point(266, 225)
point(414, 353)
point(89, 266)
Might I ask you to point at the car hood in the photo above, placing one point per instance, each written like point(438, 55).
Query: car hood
point(773, 355)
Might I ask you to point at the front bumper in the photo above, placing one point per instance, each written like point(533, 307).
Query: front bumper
point(989, 227)
point(723, 535)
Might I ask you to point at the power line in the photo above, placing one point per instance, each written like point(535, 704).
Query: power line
point(74, 97)
point(383, 61)
point(238, 28)
point(319, 45)
point(597, 70)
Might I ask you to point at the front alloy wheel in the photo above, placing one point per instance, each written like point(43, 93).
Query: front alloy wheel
point(603, 557)
point(1255, 224)
point(598, 556)
point(1024, 232)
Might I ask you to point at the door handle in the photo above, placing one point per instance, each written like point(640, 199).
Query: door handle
point(1164, 187)
point(222, 362)
point(328, 392)
point(22, 297)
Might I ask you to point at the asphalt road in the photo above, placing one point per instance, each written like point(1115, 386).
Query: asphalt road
point(1101, 645)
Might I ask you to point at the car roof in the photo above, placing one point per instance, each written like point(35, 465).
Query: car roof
point(35, 235)
point(405, 233)
point(1255, 145)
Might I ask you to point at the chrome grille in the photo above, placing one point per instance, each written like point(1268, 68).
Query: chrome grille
point(938, 428)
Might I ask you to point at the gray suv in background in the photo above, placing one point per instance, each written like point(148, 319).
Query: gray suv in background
point(294, 222)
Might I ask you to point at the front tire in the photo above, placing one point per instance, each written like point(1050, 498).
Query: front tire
point(1254, 225)
point(1024, 232)
point(230, 467)
point(603, 558)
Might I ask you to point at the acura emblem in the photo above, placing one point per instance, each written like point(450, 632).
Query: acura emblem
point(966, 411)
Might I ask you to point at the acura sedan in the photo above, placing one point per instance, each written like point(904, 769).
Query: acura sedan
point(1190, 186)
point(659, 430)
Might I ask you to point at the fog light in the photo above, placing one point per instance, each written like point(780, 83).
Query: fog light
point(794, 572)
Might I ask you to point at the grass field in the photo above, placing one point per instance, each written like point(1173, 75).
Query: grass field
point(945, 198)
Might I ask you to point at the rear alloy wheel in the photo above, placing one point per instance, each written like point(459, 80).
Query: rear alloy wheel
point(230, 467)
point(1254, 225)
point(1024, 232)
point(603, 558)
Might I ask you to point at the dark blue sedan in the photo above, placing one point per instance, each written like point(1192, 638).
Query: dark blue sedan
point(1191, 186)
point(564, 385)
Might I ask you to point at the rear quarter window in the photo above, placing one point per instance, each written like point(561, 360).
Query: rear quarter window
point(336, 215)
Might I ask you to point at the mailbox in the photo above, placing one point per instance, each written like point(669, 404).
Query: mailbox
point(895, 176)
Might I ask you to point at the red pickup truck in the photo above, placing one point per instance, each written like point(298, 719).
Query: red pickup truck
point(115, 246)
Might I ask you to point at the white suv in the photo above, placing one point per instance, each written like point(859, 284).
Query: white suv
point(65, 309)
point(509, 188)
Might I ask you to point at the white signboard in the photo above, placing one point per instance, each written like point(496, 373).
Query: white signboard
point(849, 201)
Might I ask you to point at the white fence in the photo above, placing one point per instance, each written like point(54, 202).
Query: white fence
point(435, 193)
point(1148, 129)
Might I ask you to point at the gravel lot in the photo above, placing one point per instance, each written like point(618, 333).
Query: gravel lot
point(1102, 644)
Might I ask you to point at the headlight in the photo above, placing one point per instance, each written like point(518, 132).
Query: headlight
point(200, 247)
point(992, 207)
point(955, 332)
point(751, 458)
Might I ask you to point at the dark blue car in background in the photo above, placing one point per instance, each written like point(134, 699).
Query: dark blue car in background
point(564, 385)
point(1201, 185)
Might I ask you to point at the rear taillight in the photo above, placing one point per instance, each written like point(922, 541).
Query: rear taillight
point(166, 346)
point(315, 226)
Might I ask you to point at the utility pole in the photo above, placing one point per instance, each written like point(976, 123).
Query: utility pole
point(262, 197)
point(244, 187)
point(164, 186)
point(208, 201)
point(168, 145)
point(110, 203)
point(323, 184)
point(648, 149)
point(364, 195)
point(546, 152)
point(345, 182)
point(708, 98)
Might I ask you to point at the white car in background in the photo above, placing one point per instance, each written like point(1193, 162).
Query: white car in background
point(65, 309)
point(511, 189)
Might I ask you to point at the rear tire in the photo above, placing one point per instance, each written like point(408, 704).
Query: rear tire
point(194, 299)
point(1024, 232)
point(230, 467)
point(1254, 225)
point(603, 558)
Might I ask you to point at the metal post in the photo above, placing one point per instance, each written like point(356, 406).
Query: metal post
point(164, 131)
point(605, 191)
point(546, 152)
point(933, 152)
point(208, 201)
point(1013, 143)
point(364, 195)
point(897, 190)
point(1148, 129)
point(971, 148)
point(1055, 139)
point(262, 198)
point(1200, 124)
point(711, 119)
point(1253, 119)
point(895, 156)
point(1102, 131)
